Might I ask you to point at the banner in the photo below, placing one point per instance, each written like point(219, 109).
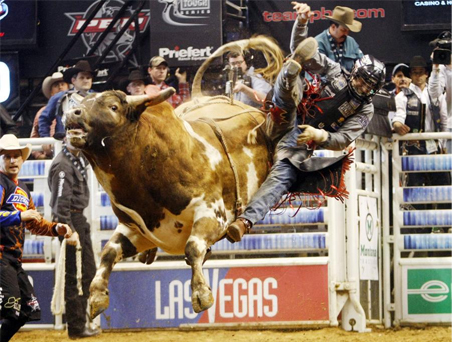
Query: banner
point(368, 238)
point(427, 293)
point(185, 32)
point(162, 298)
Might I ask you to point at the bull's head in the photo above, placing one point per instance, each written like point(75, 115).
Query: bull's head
point(99, 114)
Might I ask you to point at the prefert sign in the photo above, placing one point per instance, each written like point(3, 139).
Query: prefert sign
point(429, 291)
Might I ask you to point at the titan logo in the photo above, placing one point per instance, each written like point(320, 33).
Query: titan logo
point(185, 12)
point(433, 291)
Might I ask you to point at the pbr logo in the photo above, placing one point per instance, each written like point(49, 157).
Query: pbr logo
point(19, 199)
point(101, 21)
point(186, 12)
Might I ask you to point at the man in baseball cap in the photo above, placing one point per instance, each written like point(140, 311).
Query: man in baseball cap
point(400, 77)
point(335, 41)
point(158, 71)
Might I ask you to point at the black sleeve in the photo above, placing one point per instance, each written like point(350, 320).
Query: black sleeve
point(61, 180)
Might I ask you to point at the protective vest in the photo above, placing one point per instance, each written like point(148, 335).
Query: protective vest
point(331, 114)
point(415, 112)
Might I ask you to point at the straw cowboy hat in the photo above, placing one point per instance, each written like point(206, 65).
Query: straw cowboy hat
point(80, 66)
point(49, 81)
point(344, 16)
point(9, 142)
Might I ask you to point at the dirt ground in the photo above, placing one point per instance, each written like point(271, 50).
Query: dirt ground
point(426, 334)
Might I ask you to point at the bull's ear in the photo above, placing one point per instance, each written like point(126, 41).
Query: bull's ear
point(150, 99)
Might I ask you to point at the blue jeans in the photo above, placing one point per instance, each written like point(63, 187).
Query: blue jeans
point(282, 174)
point(281, 177)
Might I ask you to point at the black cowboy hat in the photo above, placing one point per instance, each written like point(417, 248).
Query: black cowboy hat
point(135, 74)
point(418, 61)
point(80, 66)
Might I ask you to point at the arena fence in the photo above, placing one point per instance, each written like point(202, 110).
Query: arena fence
point(319, 267)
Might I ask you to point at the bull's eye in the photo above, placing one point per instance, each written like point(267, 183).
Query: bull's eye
point(114, 108)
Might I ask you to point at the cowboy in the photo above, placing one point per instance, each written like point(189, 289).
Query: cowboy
point(158, 72)
point(81, 77)
point(52, 85)
point(299, 124)
point(136, 82)
point(17, 212)
point(335, 41)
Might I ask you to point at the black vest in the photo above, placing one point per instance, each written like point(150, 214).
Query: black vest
point(331, 113)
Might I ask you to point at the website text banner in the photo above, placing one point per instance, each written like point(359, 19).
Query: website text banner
point(185, 32)
point(162, 298)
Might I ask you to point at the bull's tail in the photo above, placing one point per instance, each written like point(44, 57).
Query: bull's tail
point(269, 48)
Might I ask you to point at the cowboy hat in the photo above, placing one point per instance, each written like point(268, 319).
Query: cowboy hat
point(135, 74)
point(418, 62)
point(80, 66)
point(344, 16)
point(9, 142)
point(49, 81)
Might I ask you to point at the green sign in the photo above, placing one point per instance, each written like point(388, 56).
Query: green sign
point(429, 291)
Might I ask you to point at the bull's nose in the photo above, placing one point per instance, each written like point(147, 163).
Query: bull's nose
point(78, 112)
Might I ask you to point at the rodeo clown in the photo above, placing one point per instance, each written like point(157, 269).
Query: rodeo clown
point(18, 302)
point(332, 113)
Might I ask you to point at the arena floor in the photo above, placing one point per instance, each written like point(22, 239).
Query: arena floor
point(430, 334)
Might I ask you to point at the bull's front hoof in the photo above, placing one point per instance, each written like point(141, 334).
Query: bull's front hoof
point(202, 299)
point(98, 303)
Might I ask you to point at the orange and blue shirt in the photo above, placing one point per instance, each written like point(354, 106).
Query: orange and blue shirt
point(15, 198)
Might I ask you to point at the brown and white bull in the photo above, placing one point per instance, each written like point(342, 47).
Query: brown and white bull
point(170, 181)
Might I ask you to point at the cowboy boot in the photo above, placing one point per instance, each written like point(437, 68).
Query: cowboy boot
point(237, 229)
point(305, 50)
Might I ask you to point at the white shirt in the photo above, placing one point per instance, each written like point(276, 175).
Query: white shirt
point(401, 104)
point(439, 80)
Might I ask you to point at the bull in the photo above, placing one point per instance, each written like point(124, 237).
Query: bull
point(175, 180)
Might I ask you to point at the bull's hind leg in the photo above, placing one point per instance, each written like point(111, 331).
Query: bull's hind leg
point(202, 237)
point(118, 247)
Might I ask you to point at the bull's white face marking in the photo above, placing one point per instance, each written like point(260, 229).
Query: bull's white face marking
point(251, 174)
point(212, 153)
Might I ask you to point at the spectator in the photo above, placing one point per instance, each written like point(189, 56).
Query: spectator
point(411, 103)
point(335, 42)
point(7, 125)
point(70, 196)
point(136, 82)
point(81, 77)
point(52, 85)
point(440, 82)
point(253, 94)
point(18, 302)
point(341, 116)
point(400, 77)
point(158, 72)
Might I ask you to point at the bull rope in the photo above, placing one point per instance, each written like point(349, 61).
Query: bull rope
point(60, 275)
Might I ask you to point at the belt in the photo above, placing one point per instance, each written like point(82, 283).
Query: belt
point(76, 211)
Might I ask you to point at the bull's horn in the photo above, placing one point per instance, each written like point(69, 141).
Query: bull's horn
point(152, 98)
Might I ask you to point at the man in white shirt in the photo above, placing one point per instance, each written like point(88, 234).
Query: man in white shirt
point(417, 112)
point(415, 100)
point(440, 82)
